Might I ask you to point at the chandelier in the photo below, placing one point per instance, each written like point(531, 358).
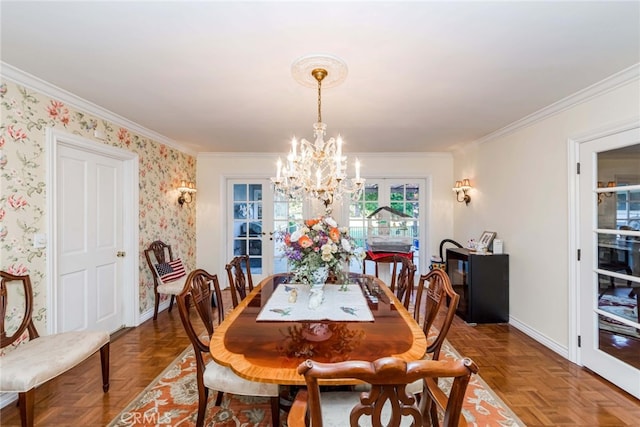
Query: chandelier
point(317, 170)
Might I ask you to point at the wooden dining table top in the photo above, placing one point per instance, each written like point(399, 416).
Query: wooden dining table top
point(270, 352)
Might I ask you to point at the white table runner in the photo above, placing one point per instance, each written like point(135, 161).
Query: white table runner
point(338, 305)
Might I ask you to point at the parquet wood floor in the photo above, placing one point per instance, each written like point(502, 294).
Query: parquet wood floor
point(541, 387)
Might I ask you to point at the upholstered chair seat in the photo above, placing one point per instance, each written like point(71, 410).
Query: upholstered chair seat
point(218, 377)
point(172, 288)
point(42, 359)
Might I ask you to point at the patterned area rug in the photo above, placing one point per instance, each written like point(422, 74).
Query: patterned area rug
point(172, 400)
point(620, 306)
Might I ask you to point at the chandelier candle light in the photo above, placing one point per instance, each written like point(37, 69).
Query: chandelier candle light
point(318, 169)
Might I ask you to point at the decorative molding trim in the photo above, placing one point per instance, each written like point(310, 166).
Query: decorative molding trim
point(407, 154)
point(542, 339)
point(610, 83)
point(35, 83)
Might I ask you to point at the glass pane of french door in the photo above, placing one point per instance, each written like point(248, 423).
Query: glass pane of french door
point(247, 223)
point(609, 269)
point(359, 211)
point(618, 261)
point(287, 214)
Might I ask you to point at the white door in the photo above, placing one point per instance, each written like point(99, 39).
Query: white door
point(89, 239)
point(609, 269)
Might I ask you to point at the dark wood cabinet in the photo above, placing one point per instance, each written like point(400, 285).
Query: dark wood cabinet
point(482, 281)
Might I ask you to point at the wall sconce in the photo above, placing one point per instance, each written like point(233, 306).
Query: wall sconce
point(186, 188)
point(607, 193)
point(462, 187)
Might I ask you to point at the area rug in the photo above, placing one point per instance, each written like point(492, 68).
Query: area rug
point(620, 306)
point(172, 400)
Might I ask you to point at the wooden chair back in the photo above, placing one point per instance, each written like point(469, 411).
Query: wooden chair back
point(402, 279)
point(388, 378)
point(403, 272)
point(197, 294)
point(239, 273)
point(161, 252)
point(27, 321)
point(439, 308)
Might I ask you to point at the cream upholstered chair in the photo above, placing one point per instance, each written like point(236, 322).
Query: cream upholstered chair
point(387, 402)
point(41, 358)
point(168, 273)
point(195, 312)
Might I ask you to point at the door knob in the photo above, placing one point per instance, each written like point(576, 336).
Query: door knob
point(121, 254)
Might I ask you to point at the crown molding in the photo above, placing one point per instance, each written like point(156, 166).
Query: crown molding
point(35, 83)
point(421, 154)
point(612, 82)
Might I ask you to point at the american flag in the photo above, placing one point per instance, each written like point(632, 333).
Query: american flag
point(170, 271)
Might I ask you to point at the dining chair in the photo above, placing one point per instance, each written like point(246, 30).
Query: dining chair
point(387, 401)
point(41, 358)
point(239, 273)
point(210, 375)
point(402, 278)
point(437, 311)
point(160, 260)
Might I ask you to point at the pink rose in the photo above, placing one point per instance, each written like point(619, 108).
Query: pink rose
point(17, 270)
point(16, 202)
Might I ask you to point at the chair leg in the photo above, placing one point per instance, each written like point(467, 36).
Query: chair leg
point(202, 406)
point(173, 297)
point(157, 304)
point(25, 402)
point(104, 362)
point(219, 395)
point(275, 411)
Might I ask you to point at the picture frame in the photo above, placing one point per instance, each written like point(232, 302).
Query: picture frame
point(486, 239)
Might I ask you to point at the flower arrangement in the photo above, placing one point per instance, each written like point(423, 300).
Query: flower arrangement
point(320, 246)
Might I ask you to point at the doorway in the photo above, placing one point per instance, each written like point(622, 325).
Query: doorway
point(93, 235)
point(607, 198)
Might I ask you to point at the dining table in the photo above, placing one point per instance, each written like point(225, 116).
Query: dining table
point(259, 347)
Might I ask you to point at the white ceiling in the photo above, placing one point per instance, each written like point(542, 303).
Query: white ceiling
point(423, 76)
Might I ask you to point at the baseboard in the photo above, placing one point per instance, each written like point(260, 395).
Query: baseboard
point(146, 315)
point(542, 339)
point(7, 398)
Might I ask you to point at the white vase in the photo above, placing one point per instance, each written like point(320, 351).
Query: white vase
point(320, 275)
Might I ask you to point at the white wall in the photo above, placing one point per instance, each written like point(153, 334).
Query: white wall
point(521, 191)
point(215, 168)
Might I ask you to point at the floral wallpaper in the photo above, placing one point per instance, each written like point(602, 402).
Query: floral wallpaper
point(25, 115)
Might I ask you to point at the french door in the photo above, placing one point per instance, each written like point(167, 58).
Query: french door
point(609, 269)
point(401, 194)
point(257, 215)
